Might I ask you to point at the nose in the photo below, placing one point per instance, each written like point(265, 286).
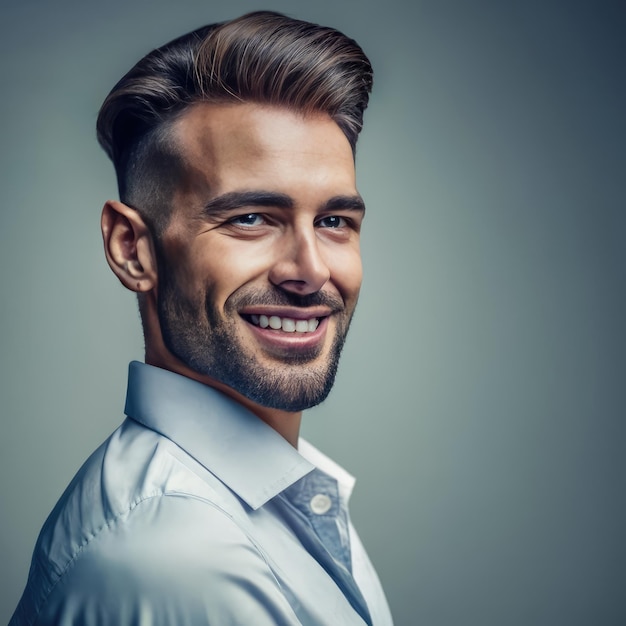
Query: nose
point(300, 266)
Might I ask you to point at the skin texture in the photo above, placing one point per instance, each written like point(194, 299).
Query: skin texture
point(265, 220)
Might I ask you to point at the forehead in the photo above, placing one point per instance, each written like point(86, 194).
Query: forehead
point(221, 144)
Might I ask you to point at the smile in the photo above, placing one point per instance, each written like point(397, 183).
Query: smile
point(286, 324)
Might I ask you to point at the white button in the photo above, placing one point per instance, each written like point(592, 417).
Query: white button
point(320, 504)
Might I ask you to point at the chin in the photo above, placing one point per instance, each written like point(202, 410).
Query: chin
point(283, 388)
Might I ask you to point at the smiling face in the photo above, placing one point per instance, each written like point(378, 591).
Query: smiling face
point(260, 265)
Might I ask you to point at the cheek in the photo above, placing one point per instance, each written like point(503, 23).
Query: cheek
point(347, 271)
point(225, 267)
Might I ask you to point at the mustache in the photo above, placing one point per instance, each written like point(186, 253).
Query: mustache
point(279, 297)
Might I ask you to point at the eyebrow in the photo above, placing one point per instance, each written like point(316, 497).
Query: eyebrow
point(234, 200)
point(345, 203)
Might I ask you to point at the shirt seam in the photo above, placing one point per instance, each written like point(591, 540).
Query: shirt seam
point(89, 540)
point(115, 520)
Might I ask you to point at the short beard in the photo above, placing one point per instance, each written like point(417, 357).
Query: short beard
point(205, 341)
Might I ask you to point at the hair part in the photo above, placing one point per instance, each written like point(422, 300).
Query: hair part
point(262, 57)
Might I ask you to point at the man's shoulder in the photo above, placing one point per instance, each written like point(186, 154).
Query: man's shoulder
point(166, 539)
point(134, 466)
point(172, 558)
point(137, 504)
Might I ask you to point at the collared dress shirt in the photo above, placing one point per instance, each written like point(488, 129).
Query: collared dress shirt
point(195, 512)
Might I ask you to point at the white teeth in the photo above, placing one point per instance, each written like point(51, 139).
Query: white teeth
point(275, 322)
point(289, 325)
point(301, 326)
point(286, 324)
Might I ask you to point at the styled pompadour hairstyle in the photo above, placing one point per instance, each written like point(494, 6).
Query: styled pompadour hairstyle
point(262, 57)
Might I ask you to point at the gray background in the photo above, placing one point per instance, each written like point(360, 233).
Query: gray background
point(481, 396)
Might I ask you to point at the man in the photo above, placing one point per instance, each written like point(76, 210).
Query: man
point(238, 228)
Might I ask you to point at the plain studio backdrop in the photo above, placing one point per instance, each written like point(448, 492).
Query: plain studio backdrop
point(481, 396)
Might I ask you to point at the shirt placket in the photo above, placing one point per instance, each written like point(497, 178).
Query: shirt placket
point(315, 498)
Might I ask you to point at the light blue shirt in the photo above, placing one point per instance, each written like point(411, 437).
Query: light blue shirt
point(196, 512)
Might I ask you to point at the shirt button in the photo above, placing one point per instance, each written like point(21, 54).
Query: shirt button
point(320, 504)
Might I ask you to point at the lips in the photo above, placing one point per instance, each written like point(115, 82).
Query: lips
point(289, 333)
point(284, 324)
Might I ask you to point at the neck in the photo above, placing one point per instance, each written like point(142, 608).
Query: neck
point(284, 423)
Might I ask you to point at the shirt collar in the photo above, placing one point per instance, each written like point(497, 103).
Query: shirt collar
point(235, 445)
point(344, 480)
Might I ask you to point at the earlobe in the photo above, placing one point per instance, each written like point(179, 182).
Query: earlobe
point(128, 246)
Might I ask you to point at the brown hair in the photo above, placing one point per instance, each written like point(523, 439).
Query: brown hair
point(261, 57)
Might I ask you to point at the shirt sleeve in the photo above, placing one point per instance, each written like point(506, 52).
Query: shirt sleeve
point(170, 560)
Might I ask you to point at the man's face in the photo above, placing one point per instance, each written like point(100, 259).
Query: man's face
point(260, 265)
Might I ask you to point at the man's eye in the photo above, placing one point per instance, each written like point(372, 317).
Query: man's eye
point(332, 221)
point(249, 219)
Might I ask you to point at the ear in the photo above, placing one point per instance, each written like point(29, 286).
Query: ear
point(128, 247)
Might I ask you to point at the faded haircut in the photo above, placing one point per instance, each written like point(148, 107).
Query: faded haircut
point(262, 57)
